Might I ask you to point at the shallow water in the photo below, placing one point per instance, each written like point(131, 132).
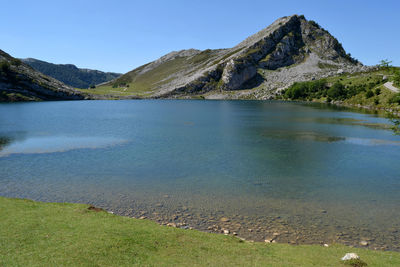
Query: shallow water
point(311, 173)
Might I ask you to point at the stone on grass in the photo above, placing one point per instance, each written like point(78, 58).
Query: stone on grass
point(350, 256)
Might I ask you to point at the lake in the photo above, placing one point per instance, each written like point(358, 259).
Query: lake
point(294, 172)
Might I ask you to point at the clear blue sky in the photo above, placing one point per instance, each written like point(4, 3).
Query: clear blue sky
point(121, 35)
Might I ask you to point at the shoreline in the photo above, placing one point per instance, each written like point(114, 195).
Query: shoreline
point(39, 233)
point(268, 228)
point(309, 229)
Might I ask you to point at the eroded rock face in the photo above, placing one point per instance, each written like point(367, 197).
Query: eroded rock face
point(272, 51)
point(236, 73)
point(288, 41)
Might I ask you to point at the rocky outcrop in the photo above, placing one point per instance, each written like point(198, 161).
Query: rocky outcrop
point(291, 49)
point(287, 42)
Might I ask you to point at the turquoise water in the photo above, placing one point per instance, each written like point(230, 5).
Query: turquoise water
point(312, 173)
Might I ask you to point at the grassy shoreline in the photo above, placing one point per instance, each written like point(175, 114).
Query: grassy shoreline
point(41, 234)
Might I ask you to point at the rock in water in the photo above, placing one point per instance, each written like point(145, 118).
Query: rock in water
point(350, 256)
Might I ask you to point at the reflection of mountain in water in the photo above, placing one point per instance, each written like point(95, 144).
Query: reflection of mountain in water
point(51, 144)
point(7, 138)
point(4, 141)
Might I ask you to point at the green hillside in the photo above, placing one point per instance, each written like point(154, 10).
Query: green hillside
point(70, 74)
point(366, 89)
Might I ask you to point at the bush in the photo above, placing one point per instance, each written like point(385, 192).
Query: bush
point(4, 66)
point(16, 62)
point(397, 77)
point(369, 94)
point(337, 91)
point(378, 91)
point(315, 24)
point(395, 99)
point(306, 90)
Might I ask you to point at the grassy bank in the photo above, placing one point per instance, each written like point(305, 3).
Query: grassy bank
point(56, 234)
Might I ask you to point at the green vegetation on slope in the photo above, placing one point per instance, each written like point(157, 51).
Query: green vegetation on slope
point(70, 74)
point(364, 89)
point(144, 84)
point(396, 78)
point(20, 82)
point(60, 234)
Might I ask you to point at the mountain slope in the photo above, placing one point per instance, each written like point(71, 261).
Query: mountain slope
point(70, 74)
point(19, 82)
point(289, 50)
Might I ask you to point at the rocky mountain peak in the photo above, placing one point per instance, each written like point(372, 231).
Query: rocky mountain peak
point(291, 49)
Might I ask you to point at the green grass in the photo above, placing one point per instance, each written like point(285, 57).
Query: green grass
point(141, 84)
point(60, 234)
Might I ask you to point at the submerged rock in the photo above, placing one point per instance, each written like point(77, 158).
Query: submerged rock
point(224, 219)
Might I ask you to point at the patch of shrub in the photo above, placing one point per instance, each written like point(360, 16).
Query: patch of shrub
point(369, 94)
point(16, 62)
point(396, 77)
point(395, 99)
point(337, 91)
point(315, 24)
point(306, 90)
point(4, 66)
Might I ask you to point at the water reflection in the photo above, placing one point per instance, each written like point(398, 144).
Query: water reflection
point(345, 121)
point(4, 141)
point(302, 136)
point(51, 144)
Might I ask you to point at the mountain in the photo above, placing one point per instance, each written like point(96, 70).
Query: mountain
point(70, 74)
point(20, 82)
point(291, 49)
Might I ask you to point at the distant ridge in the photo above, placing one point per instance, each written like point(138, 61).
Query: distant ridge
point(19, 82)
point(70, 74)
